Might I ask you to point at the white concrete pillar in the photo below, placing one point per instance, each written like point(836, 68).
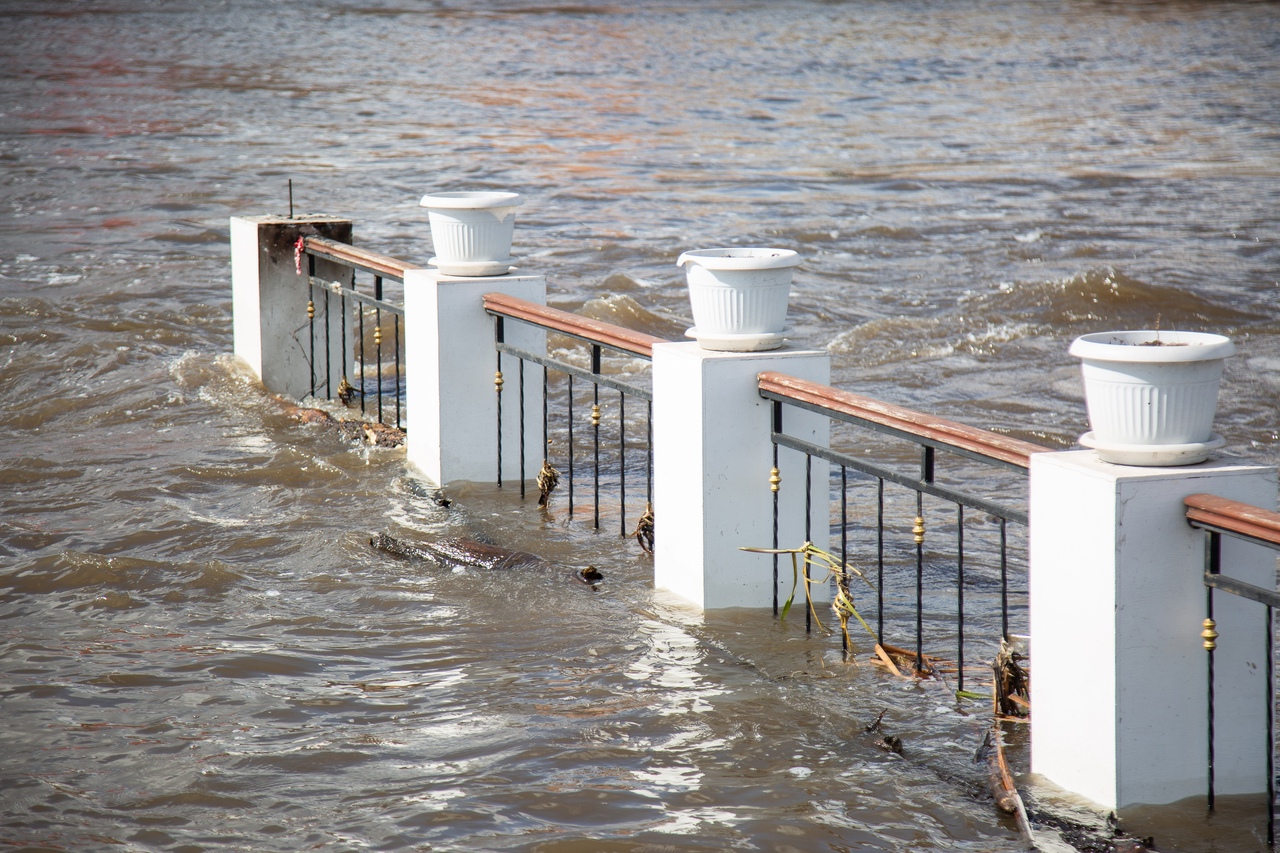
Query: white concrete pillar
point(712, 455)
point(450, 392)
point(1117, 601)
point(269, 303)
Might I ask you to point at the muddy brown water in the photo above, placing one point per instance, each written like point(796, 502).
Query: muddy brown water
point(200, 650)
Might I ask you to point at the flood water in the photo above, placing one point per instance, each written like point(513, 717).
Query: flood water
point(200, 650)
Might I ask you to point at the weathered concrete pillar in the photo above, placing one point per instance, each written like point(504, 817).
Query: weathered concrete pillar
point(269, 295)
point(712, 455)
point(1117, 602)
point(450, 366)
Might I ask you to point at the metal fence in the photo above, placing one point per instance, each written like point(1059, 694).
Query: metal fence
point(1220, 517)
point(933, 440)
point(562, 378)
point(372, 358)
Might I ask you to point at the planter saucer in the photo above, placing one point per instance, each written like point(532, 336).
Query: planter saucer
point(1154, 455)
point(473, 269)
point(746, 342)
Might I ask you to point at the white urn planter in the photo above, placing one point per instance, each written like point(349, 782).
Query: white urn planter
point(472, 231)
point(739, 296)
point(1152, 395)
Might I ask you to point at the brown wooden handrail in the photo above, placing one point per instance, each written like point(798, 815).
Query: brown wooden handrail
point(1235, 516)
point(345, 253)
point(597, 331)
point(1011, 450)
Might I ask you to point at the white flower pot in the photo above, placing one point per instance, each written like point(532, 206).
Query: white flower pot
point(739, 296)
point(1152, 396)
point(472, 231)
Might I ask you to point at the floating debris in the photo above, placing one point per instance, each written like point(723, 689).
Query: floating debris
point(644, 529)
point(372, 433)
point(1012, 682)
point(452, 553)
point(548, 479)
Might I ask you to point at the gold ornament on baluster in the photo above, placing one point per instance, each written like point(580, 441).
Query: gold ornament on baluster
point(1210, 635)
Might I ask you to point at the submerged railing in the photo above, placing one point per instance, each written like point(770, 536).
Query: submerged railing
point(930, 435)
point(888, 457)
point(1220, 517)
point(598, 337)
point(354, 312)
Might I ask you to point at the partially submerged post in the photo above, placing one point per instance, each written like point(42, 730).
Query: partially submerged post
point(712, 457)
point(1117, 600)
point(452, 387)
point(270, 298)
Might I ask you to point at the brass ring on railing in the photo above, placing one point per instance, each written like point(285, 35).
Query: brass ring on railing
point(595, 414)
point(377, 336)
point(918, 530)
point(311, 309)
point(775, 480)
point(497, 381)
point(1210, 635)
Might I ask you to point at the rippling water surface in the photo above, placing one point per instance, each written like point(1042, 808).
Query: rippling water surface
point(200, 651)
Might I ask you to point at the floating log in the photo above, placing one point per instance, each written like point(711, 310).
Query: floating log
point(467, 553)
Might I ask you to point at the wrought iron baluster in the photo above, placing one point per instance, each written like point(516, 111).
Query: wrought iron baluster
point(595, 428)
point(398, 322)
point(960, 595)
point(808, 536)
point(328, 347)
point(926, 475)
point(1213, 565)
point(520, 421)
point(570, 445)
point(1269, 627)
point(546, 429)
point(880, 561)
point(648, 465)
point(917, 532)
point(844, 518)
point(363, 363)
point(1004, 579)
point(377, 338)
point(622, 461)
point(775, 481)
point(311, 317)
point(844, 547)
point(499, 335)
point(342, 385)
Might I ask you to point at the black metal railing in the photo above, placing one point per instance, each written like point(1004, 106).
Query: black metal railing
point(932, 437)
point(376, 358)
point(1220, 517)
point(598, 339)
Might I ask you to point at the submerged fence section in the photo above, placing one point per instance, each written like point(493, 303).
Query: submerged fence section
point(937, 512)
point(1220, 517)
point(372, 357)
point(934, 439)
point(590, 341)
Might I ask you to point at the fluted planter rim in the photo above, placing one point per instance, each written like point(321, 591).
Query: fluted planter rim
point(740, 258)
point(470, 200)
point(1150, 345)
